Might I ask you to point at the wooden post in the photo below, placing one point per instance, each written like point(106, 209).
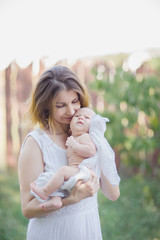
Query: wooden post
point(24, 85)
point(9, 154)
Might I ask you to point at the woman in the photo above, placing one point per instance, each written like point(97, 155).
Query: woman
point(56, 98)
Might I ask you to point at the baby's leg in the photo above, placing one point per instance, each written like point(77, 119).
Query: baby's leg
point(39, 190)
point(51, 204)
point(64, 173)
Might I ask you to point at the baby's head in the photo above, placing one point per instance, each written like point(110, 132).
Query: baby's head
point(81, 121)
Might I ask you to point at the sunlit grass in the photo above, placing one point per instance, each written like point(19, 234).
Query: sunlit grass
point(134, 216)
point(13, 224)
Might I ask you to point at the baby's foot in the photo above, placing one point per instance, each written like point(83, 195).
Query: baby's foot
point(39, 191)
point(52, 203)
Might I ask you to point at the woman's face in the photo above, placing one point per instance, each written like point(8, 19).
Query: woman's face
point(65, 106)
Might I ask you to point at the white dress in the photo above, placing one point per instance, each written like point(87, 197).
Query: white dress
point(79, 221)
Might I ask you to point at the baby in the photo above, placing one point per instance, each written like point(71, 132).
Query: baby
point(80, 146)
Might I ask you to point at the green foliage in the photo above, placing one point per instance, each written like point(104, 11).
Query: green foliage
point(13, 224)
point(135, 215)
point(132, 103)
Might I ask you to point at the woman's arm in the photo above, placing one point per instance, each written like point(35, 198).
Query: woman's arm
point(112, 192)
point(79, 192)
point(30, 166)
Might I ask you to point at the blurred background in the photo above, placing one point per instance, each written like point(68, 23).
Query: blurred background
point(114, 47)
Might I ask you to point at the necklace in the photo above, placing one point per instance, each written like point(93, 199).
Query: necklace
point(51, 133)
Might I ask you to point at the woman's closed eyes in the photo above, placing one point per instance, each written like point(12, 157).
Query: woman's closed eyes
point(61, 105)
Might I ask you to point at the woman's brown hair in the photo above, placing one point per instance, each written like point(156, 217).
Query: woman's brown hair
point(49, 85)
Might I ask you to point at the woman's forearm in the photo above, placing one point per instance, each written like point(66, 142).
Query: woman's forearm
point(81, 190)
point(32, 210)
point(112, 192)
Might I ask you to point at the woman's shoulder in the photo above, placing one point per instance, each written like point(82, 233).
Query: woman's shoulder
point(37, 131)
point(37, 134)
point(34, 137)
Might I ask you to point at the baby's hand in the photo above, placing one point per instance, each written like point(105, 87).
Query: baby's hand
point(70, 141)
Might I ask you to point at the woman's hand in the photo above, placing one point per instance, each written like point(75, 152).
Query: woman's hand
point(82, 190)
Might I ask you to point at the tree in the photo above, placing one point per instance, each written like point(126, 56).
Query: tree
point(132, 103)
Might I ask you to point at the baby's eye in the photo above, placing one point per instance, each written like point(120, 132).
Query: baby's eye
point(87, 117)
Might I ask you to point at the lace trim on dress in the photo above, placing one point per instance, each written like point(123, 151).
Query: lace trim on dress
point(84, 206)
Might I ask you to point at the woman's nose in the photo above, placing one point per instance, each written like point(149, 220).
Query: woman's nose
point(70, 110)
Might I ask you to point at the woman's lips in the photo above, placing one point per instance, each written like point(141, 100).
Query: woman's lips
point(69, 118)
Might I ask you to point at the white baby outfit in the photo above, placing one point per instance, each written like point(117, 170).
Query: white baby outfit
point(79, 221)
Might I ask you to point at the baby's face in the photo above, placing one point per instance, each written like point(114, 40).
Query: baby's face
point(81, 120)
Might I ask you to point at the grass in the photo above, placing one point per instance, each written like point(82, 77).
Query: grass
point(13, 224)
point(134, 216)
